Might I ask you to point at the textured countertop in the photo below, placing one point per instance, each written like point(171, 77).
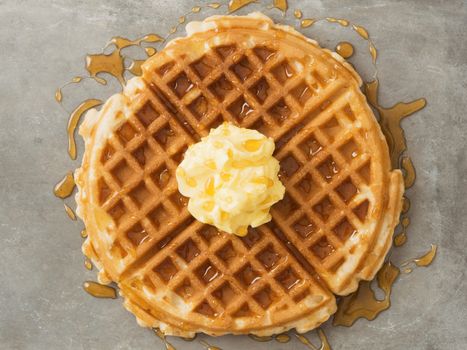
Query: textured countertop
point(422, 53)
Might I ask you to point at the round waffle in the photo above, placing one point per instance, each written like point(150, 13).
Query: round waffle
point(332, 229)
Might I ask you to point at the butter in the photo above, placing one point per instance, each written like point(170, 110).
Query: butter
point(230, 178)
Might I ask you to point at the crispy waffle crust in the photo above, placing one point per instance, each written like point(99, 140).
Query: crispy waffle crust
point(332, 229)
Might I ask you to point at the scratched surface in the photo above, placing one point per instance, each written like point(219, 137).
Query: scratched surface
point(423, 52)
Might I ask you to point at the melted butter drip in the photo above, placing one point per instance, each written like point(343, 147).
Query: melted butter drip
point(409, 172)
point(390, 119)
point(75, 116)
point(281, 5)
point(235, 5)
point(363, 302)
point(322, 337)
point(64, 188)
point(161, 335)
point(207, 346)
point(88, 264)
point(71, 214)
point(424, 260)
point(345, 49)
point(98, 290)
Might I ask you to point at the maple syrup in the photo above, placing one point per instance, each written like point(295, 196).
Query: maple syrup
point(281, 5)
point(424, 260)
point(298, 14)
point(409, 171)
point(84, 233)
point(322, 337)
point(341, 21)
point(64, 188)
point(168, 346)
point(390, 119)
point(87, 264)
point(73, 121)
point(207, 346)
point(361, 31)
point(98, 290)
point(71, 214)
point(363, 302)
point(235, 5)
point(345, 49)
point(282, 338)
point(401, 237)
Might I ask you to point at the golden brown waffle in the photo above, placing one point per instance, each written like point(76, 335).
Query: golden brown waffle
point(333, 227)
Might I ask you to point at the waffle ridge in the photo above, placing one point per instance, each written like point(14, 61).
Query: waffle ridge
point(332, 229)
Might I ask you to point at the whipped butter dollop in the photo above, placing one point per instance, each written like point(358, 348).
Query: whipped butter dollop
point(230, 178)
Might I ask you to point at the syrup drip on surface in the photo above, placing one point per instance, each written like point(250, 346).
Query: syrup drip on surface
point(260, 339)
point(363, 302)
point(322, 337)
point(424, 260)
point(161, 335)
point(99, 290)
point(342, 22)
point(113, 63)
point(282, 338)
point(345, 49)
point(207, 346)
point(196, 9)
point(361, 31)
point(401, 237)
point(84, 234)
point(307, 22)
point(71, 214)
point(281, 5)
point(298, 14)
point(64, 188)
point(88, 264)
point(135, 67)
point(390, 119)
point(409, 172)
point(235, 5)
point(373, 52)
point(58, 95)
point(73, 121)
point(215, 5)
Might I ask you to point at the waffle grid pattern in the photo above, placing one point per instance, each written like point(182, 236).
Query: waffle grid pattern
point(310, 113)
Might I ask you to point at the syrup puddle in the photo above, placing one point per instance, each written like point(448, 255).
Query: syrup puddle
point(363, 302)
point(280, 338)
point(345, 49)
point(99, 290)
point(322, 337)
point(65, 187)
point(422, 261)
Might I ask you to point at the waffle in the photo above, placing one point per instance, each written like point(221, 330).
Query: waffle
point(332, 229)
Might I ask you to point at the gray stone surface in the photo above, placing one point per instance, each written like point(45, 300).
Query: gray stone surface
point(423, 52)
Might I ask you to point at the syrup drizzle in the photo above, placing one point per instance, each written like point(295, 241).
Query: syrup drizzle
point(161, 336)
point(422, 261)
point(235, 5)
point(390, 119)
point(73, 121)
point(113, 63)
point(363, 302)
point(64, 188)
point(401, 237)
point(99, 290)
point(322, 337)
point(345, 49)
point(71, 214)
point(207, 346)
point(281, 5)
